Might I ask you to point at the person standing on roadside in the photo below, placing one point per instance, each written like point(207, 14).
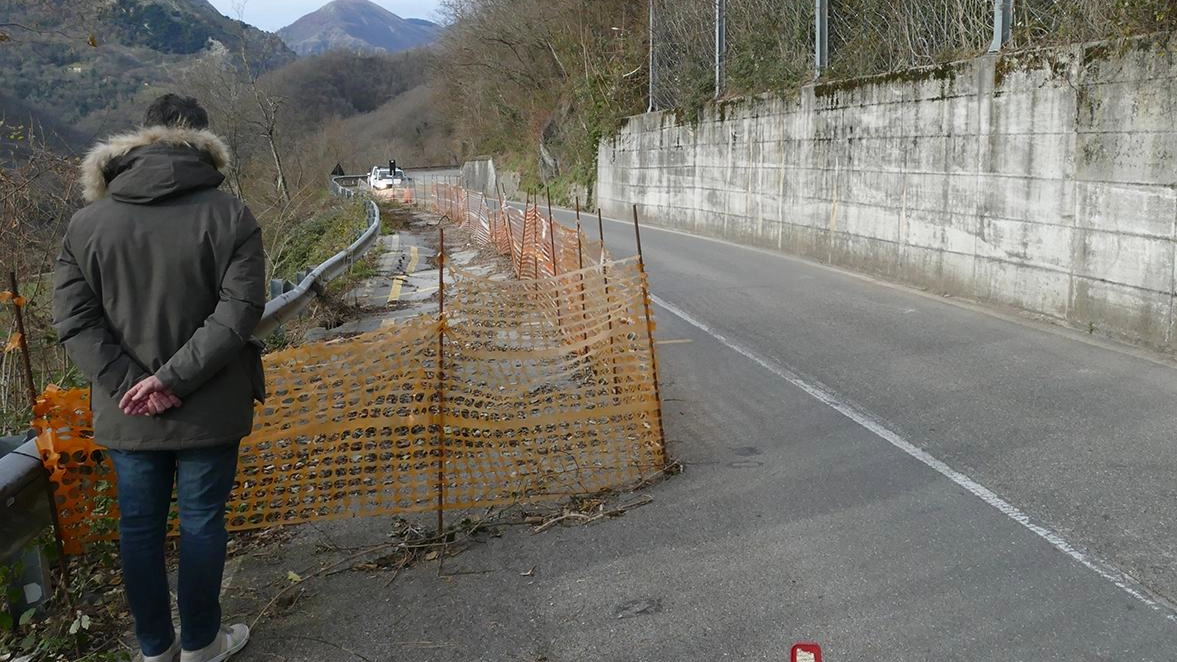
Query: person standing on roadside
point(158, 289)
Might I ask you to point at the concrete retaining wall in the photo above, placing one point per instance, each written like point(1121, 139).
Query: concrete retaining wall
point(482, 175)
point(1043, 180)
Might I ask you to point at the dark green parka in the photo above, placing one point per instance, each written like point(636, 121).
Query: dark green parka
point(163, 274)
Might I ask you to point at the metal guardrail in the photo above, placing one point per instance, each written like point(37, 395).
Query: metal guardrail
point(24, 506)
point(289, 304)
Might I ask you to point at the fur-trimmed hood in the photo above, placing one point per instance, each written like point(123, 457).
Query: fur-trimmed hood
point(107, 159)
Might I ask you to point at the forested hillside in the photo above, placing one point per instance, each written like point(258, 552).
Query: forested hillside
point(88, 64)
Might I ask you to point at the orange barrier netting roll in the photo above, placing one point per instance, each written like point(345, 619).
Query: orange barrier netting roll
point(547, 389)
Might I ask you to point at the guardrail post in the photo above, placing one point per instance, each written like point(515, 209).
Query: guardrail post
point(25, 484)
point(295, 298)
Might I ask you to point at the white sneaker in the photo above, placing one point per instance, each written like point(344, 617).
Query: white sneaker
point(168, 656)
point(231, 639)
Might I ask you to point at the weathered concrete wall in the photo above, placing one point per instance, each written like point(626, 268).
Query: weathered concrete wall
point(482, 175)
point(1044, 181)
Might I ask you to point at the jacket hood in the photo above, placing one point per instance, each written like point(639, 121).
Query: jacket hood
point(153, 163)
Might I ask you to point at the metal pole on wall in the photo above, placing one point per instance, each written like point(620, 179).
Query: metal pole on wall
point(653, 74)
point(1003, 18)
point(821, 46)
point(720, 44)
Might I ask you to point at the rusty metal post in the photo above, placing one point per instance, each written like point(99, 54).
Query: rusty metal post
point(608, 305)
point(31, 392)
point(26, 362)
point(649, 330)
point(552, 232)
point(555, 268)
point(580, 280)
point(535, 237)
point(523, 237)
point(579, 247)
point(580, 266)
point(601, 233)
point(441, 382)
point(511, 244)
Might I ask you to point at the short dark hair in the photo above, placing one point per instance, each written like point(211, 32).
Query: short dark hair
point(177, 111)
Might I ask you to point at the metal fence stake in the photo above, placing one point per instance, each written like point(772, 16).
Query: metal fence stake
point(720, 45)
point(441, 382)
point(1003, 18)
point(650, 331)
point(608, 305)
point(26, 363)
point(653, 73)
point(552, 237)
point(821, 46)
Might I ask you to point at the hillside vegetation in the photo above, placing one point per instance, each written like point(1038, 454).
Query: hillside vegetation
point(90, 65)
point(540, 93)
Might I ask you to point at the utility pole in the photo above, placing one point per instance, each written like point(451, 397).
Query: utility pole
point(720, 44)
point(821, 45)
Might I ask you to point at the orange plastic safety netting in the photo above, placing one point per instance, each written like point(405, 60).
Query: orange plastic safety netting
point(539, 247)
point(523, 390)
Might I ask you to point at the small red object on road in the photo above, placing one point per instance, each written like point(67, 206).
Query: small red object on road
point(805, 652)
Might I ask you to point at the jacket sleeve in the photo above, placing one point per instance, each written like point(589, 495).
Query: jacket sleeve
point(82, 328)
point(223, 334)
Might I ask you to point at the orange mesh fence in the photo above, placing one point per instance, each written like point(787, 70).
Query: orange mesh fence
point(400, 194)
point(549, 416)
point(538, 246)
point(523, 390)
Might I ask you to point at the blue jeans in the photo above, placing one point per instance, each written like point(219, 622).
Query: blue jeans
point(203, 478)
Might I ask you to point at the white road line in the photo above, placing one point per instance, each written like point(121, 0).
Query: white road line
point(866, 420)
point(1037, 324)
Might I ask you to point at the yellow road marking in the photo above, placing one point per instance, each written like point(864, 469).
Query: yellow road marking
point(394, 294)
point(398, 281)
point(680, 341)
point(414, 256)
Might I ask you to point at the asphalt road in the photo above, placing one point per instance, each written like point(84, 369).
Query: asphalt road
point(893, 475)
point(974, 482)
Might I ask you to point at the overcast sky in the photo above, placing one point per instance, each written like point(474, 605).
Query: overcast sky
point(273, 14)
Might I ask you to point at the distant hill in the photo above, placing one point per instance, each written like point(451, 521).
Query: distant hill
point(359, 26)
point(91, 65)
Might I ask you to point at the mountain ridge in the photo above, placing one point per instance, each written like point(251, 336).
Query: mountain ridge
point(356, 25)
